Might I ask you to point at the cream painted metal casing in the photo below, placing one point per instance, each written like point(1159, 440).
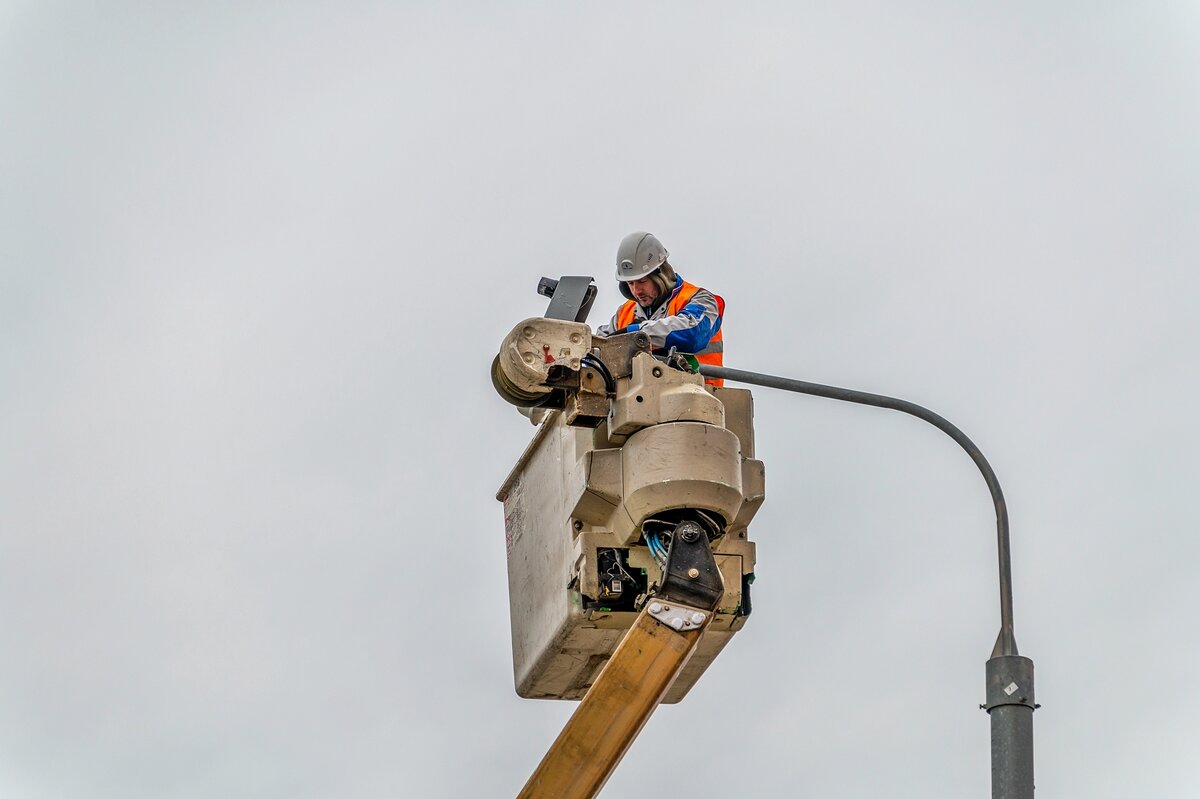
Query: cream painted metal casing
point(654, 394)
point(576, 492)
point(677, 465)
point(535, 345)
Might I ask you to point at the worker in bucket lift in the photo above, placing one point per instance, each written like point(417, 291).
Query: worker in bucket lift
point(664, 306)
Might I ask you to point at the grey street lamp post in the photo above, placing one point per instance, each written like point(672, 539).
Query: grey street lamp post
point(1010, 699)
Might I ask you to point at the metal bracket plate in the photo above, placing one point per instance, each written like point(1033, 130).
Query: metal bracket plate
point(691, 575)
point(678, 617)
point(571, 297)
point(617, 352)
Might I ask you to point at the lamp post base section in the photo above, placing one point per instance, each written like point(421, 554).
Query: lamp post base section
point(1010, 704)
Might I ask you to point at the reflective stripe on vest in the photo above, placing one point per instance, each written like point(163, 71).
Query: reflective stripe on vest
point(711, 354)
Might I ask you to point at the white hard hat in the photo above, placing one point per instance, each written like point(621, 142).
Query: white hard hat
point(639, 255)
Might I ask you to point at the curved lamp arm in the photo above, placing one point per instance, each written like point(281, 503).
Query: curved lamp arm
point(1006, 643)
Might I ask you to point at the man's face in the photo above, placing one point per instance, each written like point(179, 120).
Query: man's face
point(644, 291)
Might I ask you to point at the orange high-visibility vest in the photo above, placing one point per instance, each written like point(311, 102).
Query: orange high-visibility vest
point(712, 353)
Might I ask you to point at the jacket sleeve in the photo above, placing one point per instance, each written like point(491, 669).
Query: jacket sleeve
point(691, 329)
point(608, 328)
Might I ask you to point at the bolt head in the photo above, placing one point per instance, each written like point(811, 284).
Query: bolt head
point(693, 573)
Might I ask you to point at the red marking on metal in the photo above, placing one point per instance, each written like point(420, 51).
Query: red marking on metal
point(546, 353)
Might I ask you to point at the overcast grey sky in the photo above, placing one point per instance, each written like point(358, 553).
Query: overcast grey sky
point(256, 258)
